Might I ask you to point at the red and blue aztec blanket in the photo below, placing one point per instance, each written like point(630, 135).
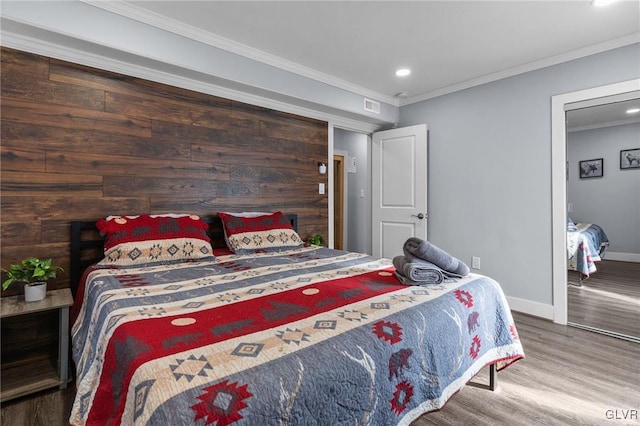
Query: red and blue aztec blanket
point(305, 336)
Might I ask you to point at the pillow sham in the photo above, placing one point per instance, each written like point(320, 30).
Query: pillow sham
point(267, 232)
point(241, 214)
point(145, 239)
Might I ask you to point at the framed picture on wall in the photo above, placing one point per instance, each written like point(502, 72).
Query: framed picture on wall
point(591, 168)
point(630, 158)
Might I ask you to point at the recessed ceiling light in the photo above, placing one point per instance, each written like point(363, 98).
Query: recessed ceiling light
point(403, 72)
point(633, 110)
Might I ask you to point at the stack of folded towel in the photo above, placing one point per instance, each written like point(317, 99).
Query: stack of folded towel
point(424, 263)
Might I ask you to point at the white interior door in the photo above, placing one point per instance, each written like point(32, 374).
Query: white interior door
point(398, 188)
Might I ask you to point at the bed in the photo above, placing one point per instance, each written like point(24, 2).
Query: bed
point(293, 335)
point(586, 244)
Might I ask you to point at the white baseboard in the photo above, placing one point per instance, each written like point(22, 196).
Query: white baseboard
point(536, 309)
point(622, 257)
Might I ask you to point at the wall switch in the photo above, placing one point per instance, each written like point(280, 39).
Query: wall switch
point(570, 207)
point(362, 193)
point(321, 188)
point(351, 164)
point(475, 262)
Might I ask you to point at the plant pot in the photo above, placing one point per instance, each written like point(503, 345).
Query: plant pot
point(35, 291)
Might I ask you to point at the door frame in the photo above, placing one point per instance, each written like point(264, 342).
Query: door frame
point(345, 196)
point(559, 104)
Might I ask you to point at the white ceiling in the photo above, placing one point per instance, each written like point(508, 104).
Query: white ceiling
point(448, 45)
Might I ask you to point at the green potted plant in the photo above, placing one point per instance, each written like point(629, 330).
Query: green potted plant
point(316, 240)
point(34, 273)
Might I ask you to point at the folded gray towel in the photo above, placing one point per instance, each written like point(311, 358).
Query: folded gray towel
point(419, 271)
point(406, 281)
point(426, 251)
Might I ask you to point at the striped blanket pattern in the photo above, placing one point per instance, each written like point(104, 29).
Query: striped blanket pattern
point(306, 336)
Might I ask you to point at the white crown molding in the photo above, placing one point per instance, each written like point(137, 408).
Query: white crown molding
point(40, 47)
point(532, 66)
point(159, 21)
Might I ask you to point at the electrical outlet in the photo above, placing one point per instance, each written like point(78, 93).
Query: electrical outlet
point(475, 262)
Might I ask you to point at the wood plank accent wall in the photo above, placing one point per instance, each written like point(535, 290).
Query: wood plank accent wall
point(82, 143)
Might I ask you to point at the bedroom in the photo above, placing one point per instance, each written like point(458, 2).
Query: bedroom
point(511, 128)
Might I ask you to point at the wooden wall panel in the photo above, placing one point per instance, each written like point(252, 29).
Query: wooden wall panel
point(82, 143)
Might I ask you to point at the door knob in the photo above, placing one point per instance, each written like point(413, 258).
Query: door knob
point(419, 216)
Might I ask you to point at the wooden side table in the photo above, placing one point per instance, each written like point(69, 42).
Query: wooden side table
point(30, 378)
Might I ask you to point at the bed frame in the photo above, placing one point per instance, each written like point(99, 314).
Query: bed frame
point(87, 245)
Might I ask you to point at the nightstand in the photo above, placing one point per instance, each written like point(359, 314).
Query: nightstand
point(39, 375)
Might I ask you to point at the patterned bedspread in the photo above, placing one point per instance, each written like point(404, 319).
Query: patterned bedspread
point(307, 336)
point(585, 244)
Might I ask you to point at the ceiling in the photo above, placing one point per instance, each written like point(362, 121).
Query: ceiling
point(448, 45)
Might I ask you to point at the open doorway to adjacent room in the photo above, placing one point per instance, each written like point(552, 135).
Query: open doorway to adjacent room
point(351, 191)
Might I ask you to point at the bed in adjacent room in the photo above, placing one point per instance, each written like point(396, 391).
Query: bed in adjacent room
point(267, 330)
point(586, 243)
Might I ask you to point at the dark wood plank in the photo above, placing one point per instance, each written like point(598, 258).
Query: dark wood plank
point(69, 207)
point(37, 114)
point(17, 135)
point(49, 184)
point(175, 110)
point(101, 165)
point(28, 159)
point(121, 186)
point(26, 232)
point(15, 62)
point(259, 157)
point(25, 87)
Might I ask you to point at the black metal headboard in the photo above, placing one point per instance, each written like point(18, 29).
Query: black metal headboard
point(87, 245)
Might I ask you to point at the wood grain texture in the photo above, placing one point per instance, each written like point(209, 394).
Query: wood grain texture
point(569, 377)
point(80, 143)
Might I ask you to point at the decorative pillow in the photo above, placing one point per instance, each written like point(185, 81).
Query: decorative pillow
point(268, 232)
point(144, 239)
point(241, 214)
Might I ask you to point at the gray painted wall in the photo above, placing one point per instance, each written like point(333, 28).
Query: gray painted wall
point(612, 201)
point(359, 208)
point(490, 167)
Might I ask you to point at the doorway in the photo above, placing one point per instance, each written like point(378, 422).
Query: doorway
point(560, 104)
point(354, 147)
